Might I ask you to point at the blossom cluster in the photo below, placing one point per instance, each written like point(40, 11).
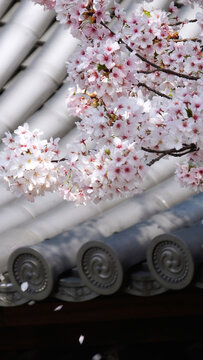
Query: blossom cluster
point(106, 67)
point(190, 172)
point(83, 16)
point(28, 163)
point(136, 86)
point(48, 4)
point(107, 161)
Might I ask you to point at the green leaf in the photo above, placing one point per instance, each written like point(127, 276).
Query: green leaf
point(147, 13)
point(190, 166)
point(107, 151)
point(101, 67)
point(155, 55)
point(170, 93)
point(189, 112)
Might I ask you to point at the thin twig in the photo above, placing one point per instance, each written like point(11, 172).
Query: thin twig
point(183, 23)
point(57, 161)
point(186, 149)
point(167, 71)
point(184, 40)
point(146, 71)
point(173, 150)
point(153, 90)
point(155, 160)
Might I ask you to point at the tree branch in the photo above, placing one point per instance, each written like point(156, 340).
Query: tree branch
point(159, 68)
point(153, 90)
point(57, 161)
point(183, 23)
point(146, 71)
point(167, 71)
point(188, 39)
point(186, 149)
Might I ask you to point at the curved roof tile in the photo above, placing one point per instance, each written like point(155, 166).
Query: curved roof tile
point(19, 36)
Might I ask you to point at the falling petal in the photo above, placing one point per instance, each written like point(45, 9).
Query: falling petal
point(58, 308)
point(97, 357)
point(2, 278)
point(24, 286)
point(81, 339)
point(32, 302)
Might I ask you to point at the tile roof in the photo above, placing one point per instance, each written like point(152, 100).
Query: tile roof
point(143, 246)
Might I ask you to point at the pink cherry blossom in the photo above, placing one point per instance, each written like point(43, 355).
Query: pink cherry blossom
point(136, 85)
point(27, 163)
point(48, 4)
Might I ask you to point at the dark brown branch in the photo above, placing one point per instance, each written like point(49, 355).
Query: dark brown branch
point(159, 68)
point(146, 71)
point(186, 149)
point(183, 23)
point(155, 160)
point(57, 161)
point(173, 150)
point(167, 71)
point(153, 90)
point(189, 39)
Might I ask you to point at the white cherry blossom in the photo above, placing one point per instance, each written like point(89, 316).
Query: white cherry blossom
point(136, 85)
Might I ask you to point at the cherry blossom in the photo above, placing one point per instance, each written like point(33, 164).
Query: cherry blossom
point(190, 172)
point(27, 166)
point(136, 85)
point(48, 4)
